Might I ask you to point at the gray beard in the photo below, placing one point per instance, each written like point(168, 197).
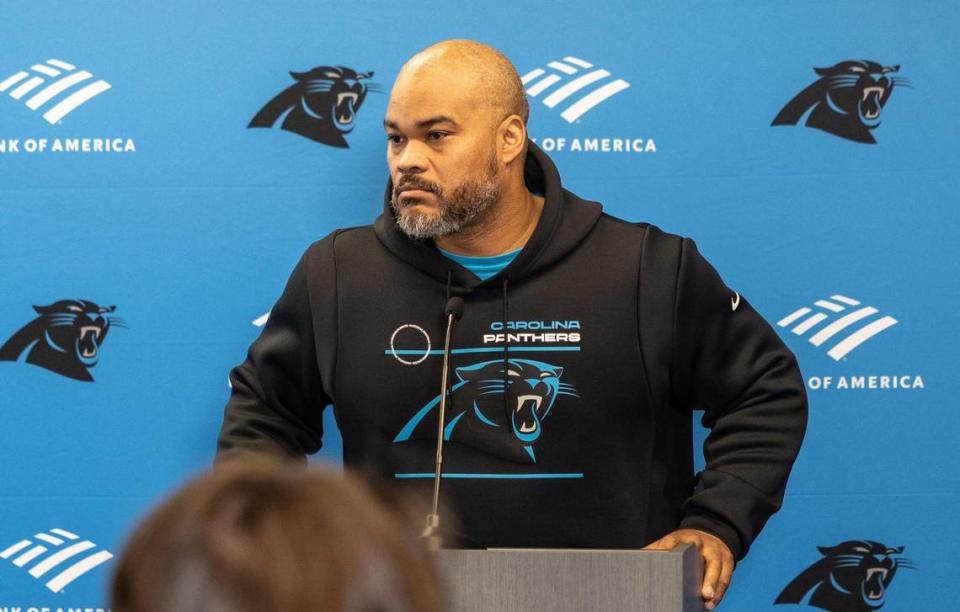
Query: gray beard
point(466, 207)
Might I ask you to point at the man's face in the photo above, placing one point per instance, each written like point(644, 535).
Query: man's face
point(441, 154)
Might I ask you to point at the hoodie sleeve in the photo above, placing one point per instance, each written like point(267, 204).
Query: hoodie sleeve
point(729, 362)
point(277, 398)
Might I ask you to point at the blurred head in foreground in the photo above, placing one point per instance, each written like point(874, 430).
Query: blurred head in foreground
point(264, 536)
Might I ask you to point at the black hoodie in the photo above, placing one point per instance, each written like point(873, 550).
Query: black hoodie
point(580, 435)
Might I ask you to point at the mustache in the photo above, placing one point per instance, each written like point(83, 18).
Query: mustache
point(416, 182)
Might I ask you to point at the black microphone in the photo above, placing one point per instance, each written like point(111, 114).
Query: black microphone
point(431, 532)
point(455, 307)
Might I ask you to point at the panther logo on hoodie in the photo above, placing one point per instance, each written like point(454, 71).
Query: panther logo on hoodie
point(498, 409)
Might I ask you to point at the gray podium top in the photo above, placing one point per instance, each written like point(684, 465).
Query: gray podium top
point(560, 580)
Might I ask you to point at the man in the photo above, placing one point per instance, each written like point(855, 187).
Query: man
point(579, 434)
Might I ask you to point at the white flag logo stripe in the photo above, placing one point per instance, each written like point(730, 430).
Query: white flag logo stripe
point(60, 64)
point(47, 93)
point(74, 100)
point(845, 300)
point(26, 88)
point(593, 98)
point(829, 305)
point(840, 324)
point(13, 80)
point(793, 316)
point(49, 539)
point(543, 83)
point(562, 67)
point(78, 569)
point(808, 323)
point(59, 557)
point(579, 62)
point(63, 532)
point(860, 336)
point(524, 79)
point(47, 70)
point(9, 552)
point(30, 555)
point(574, 86)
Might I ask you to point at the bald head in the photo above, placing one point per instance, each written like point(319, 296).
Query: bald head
point(479, 71)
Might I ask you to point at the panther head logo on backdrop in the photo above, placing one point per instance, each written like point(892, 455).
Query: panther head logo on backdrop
point(65, 338)
point(853, 576)
point(321, 105)
point(846, 100)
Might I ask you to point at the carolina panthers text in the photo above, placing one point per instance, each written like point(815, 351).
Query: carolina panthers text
point(525, 332)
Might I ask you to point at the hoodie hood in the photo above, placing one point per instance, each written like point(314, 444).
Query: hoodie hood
point(565, 221)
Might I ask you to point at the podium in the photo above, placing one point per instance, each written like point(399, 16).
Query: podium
point(565, 580)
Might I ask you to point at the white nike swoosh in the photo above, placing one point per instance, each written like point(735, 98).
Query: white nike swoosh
point(735, 301)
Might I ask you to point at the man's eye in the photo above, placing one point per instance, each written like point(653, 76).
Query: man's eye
point(394, 138)
point(436, 135)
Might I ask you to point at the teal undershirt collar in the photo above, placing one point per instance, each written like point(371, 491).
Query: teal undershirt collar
point(483, 267)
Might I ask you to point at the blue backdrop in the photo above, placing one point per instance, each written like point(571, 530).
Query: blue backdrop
point(129, 178)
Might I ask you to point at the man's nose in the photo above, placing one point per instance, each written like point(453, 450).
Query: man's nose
point(412, 158)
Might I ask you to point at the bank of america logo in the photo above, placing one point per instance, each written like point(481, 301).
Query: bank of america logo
point(55, 555)
point(67, 88)
point(831, 321)
point(571, 76)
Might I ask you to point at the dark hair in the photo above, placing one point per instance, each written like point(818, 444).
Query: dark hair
point(260, 535)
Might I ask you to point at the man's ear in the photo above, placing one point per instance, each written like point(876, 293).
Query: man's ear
point(511, 139)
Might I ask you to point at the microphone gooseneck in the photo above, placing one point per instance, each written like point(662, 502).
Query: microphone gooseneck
point(431, 532)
